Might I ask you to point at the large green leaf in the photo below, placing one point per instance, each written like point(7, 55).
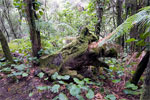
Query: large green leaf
point(110, 97)
point(62, 96)
point(90, 94)
point(74, 90)
point(55, 88)
point(41, 74)
point(20, 67)
point(78, 81)
point(131, 40)
point(79, 97)
point(131, 86)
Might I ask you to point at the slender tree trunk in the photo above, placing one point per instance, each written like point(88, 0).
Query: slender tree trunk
point(3, 26)
point(7, 16)
point(119, 12)
point(131, 9)
point(34, 33)
point(148, 3)
point(146, 88)
point(5, 47)
point(20, 23)
point(11, 26)
point(119, 19)
point(99, 11)
point(140, 68)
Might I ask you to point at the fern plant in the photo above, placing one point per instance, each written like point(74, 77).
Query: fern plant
point(142, 19)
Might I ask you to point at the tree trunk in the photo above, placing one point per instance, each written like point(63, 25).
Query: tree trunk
point(5, 47)
point(119, 19)
point(7, 16)
point(34, 33)
point(140, 69)
point(3, 26)
point(146, 91)
point(99, 11)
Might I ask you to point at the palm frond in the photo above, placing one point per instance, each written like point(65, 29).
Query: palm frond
point(142, 18)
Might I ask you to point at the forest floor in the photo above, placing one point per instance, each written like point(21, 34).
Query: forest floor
point(25, 88)
point(21, 90)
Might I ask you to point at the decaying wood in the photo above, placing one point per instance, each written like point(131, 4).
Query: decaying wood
point(77, 55)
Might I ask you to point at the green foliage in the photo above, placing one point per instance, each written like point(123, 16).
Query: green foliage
point(6, 70)
point(131, 89)
point(110, 97)
point(30, 94)
point(62, 96)
point(116, 81)
point(55, 88)
point(78, 81)
point(25, 74)
point(21, 67)
point(18, 4)
point(59, 77)
point(131, 86)
point(41, 74)
point(142, 19)
point(115, 69)
point(16, 70)
point(131, 40)
point(75, 88)
point(41, 88)
point(22, 46)
point(69, 20)
point(90, 94)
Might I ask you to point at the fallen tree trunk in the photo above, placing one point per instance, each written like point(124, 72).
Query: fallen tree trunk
point(77, 55)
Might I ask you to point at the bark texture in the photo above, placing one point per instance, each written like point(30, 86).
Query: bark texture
point(99, 12)
point(5, 47)
point(119, 19)
point(34, 33)
point(146, 88)
point(140, 69)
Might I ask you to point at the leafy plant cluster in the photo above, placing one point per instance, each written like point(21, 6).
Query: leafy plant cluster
point(141, 19)
point(13, 71)
point(75, 88)
point(131, 89)
point(22, 46)
point(115, 73)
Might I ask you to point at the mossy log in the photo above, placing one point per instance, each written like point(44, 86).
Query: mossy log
point(77, 55)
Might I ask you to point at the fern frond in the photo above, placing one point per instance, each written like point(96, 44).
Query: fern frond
point(142, 18)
